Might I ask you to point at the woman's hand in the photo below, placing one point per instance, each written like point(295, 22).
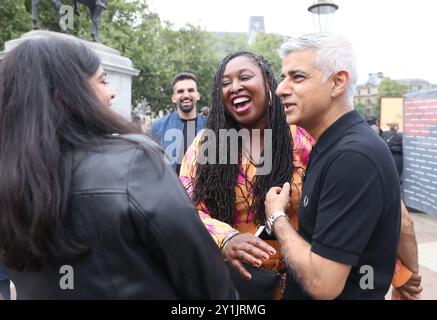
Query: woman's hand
point(248, 249)
point(410, 290)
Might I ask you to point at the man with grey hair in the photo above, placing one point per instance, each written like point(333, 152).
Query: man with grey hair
point(349, 212)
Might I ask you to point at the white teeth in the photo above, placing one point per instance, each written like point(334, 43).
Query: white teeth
point(240, 100)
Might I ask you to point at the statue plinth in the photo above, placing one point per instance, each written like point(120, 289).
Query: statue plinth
point(119, 69)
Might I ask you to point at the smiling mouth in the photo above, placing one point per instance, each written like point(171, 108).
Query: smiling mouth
point(187, 103)
point(241, 104)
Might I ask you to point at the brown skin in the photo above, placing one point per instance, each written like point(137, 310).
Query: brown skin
point(310, 101)
point(410, 290)
point(408, 254)
point(185, 96)
point(243, 78)
point(249, 249)
point(101, 87)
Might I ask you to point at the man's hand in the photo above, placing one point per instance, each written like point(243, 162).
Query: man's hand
point(410, 290)
point(277, 199)
point(249, 249)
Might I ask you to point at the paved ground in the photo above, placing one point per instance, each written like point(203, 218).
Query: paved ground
point(426, 232)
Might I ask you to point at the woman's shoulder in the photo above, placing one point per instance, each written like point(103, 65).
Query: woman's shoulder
point(111, 162)
point(138, 140)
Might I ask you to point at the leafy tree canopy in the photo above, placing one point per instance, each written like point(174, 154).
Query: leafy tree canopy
point(155, 47)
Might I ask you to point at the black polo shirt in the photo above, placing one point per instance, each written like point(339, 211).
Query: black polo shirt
point(350, 208)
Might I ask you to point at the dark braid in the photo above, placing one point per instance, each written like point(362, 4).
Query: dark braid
point(215, 183)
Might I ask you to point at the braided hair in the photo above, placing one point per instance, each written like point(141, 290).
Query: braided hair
point(215, 183)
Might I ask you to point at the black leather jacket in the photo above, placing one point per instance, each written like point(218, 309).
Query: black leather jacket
point(146, 238)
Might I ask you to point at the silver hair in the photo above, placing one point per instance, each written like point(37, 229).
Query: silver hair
point(333, 53)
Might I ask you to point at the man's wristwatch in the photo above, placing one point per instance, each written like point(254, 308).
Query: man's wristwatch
point(272, 219)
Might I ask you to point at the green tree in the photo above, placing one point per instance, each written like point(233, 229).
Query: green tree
point(46, 13)
point(361, 108)
point(14, 20)
point(390, 88)
point(265, 44)
point(161, 52)
point(268, 44)
point(156, 49)
point(225, 43)
point(188, 50)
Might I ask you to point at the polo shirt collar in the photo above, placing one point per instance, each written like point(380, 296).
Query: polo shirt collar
point(337, 129)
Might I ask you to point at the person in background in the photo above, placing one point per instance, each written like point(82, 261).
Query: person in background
point(372, 121)
point(176, 131)
point(86, 203)
point(136, 120)
point(393, 138)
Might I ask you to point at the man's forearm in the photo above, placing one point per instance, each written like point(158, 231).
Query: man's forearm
point(297, 254)
point(320, 277)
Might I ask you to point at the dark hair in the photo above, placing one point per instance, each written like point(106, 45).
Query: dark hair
point(47, 110)
point(214, 184)
point(184, 76)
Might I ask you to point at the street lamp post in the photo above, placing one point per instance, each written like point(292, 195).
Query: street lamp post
point(323, 14)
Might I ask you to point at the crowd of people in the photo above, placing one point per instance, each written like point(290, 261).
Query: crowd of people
point(275, 191)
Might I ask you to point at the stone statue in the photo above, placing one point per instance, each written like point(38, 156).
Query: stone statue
point(96, 8)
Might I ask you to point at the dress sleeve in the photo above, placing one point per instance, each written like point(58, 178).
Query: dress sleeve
point(302, 145)
point(217, 229)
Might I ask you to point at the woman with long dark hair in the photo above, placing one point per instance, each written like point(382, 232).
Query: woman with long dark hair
point(230, 195)
point(82, 209)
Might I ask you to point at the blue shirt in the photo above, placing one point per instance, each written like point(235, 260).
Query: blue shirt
point(168, 131)
point(3, 276)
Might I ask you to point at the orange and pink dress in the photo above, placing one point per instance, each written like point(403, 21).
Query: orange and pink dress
point(243, 217)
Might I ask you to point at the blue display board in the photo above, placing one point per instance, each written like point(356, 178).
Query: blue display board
point(420, 151)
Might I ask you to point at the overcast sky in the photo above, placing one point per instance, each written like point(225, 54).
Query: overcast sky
point(397, 37)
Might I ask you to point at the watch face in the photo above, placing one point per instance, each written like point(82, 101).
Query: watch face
point(271, 220)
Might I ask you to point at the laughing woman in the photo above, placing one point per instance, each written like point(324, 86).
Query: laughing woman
point(230, 196)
